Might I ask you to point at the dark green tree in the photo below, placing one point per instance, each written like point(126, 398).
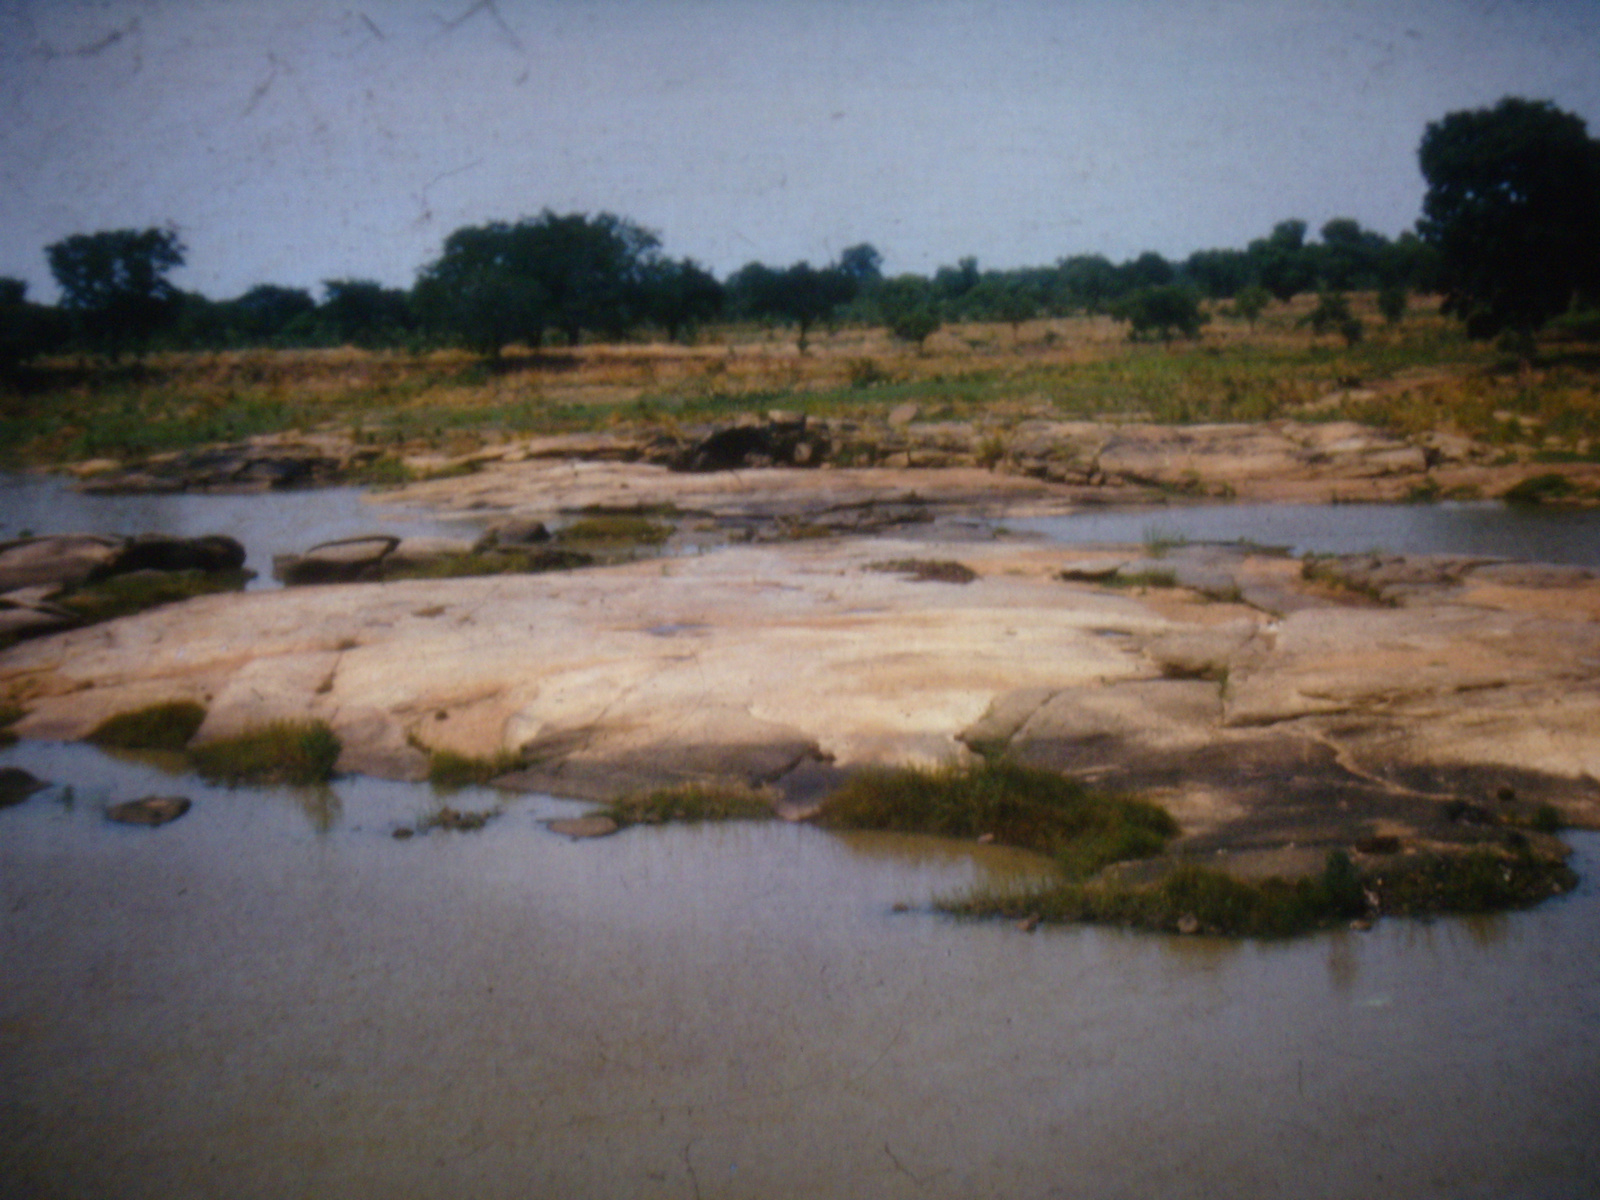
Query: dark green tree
point(361, 312)
point(681, 295)
point(26, 330)
point(1251, 302)
point(862, 264)
point(1090, 281)
point(114, 285)
point(908, 305)
point(264, 314)
point(1349, 258)
point(1332, 314)
point(1162, 311)
point(1513, 210)
point(1282, 263)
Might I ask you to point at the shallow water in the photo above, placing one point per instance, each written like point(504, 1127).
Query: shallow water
point(274, 997)
point(267, 523)
point(1486, 528)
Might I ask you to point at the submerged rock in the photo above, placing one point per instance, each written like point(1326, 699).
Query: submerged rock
point(149, 810)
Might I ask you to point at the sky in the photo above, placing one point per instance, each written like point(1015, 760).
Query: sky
point(291, 142)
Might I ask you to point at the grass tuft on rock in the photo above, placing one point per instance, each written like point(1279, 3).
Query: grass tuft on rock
point(294, 752)
point(158, 727)
point(122, 595)
point(691, 803)
point(450, 770)
point(1015, 805)
point(614, 529)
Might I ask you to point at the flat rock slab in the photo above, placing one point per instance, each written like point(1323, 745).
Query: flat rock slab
point(762, 664)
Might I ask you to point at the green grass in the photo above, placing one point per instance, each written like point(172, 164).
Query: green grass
point(614, 529)
point(499, 561)
point(450, 770)
point(690, 803)
point(1015, 805)
point(157, 727)
point(295, 752)
point(122, 595)
point(1194, 899)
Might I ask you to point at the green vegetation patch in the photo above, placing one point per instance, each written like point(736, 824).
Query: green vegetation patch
point(1195, 899)
point(453, 819)
point(927, 570)
point(691, 803)
point(296, 752)
point(121, 595)
point(158, 727)
point(615, 529)
point(1549, 488)
point(1015, 805)
point(489, 562)
point(450, 770)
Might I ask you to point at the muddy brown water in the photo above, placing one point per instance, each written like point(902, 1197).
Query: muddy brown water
point(274, 997)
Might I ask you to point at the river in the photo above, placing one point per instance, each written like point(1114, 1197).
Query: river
point(275, 997)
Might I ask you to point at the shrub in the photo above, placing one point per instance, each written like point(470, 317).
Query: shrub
point(691, 802)
point(1016, 805)
point(297, 752)
point(158, 727)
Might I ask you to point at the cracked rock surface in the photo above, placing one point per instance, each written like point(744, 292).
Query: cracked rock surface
point(1266, 701)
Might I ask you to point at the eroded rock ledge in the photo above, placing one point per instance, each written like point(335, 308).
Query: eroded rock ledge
point(1410, 700)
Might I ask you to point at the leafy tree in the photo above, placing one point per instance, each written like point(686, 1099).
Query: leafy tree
point(909, 308)
point(1251, 302)
point(265, 313)
point(1089, 280)
point(955, 282)
point(26, 330)
point(862, 265)
point(1332, 313)
point(1392, 301)
point(360, 312)
point(1513, 209)
point(1149, 270)
point(1161, 310)
point(801, 294)
point(499, 283)
point(1350, 257)
point(1282, 264)
point(1219, 273)
point(114, 284)
point(681, 295)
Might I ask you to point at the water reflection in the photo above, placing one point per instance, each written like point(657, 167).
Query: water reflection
point(1478, 528)
point(267, 524)
point(240, 998)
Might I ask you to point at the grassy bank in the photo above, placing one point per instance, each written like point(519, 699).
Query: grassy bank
point(1420, 375)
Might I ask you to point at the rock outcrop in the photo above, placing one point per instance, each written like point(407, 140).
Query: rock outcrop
point(1362, 698)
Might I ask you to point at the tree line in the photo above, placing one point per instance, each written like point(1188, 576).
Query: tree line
point(1510, 236)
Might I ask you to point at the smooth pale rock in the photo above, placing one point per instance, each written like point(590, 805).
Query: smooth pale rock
point(61, 561)
point(583, 827)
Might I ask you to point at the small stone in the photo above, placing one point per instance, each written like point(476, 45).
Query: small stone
point(1360, 925)
point(149, 810)
point(403, 833)
point(584, 827)
point(1188, 924)
point(986, 839)
point(1029, 923)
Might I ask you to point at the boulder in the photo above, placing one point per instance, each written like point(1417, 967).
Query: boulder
point(349, 560)
point(59, 561)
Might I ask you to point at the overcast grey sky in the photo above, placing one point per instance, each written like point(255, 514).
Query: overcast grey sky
point(291, 142)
